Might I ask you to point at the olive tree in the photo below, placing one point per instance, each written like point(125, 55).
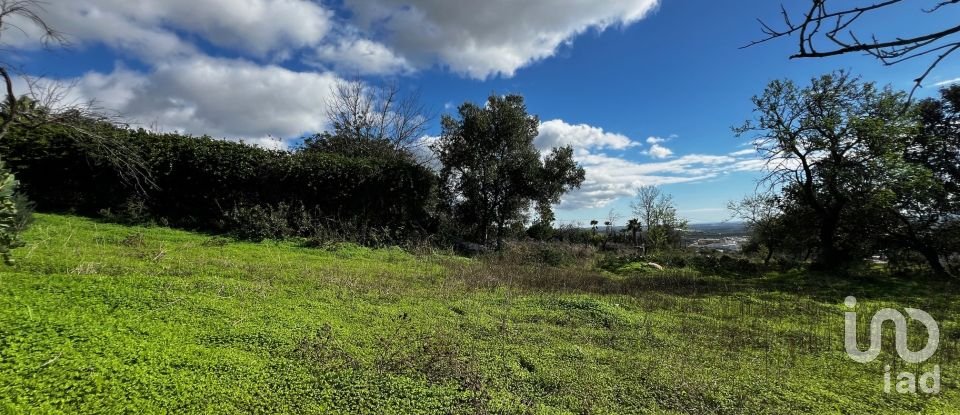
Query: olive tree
point(491, 173)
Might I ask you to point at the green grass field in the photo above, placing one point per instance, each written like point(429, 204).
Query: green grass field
point(103, 318)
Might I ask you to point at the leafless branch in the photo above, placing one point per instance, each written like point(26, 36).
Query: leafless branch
point(29, 11)
point(50, 102)
point(840, 36)
point(359, 111)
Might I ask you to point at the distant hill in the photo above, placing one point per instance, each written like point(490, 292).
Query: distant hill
point(721, 226)
point(717, 229)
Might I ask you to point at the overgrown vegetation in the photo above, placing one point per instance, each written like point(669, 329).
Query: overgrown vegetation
point(223, 186)
point(100, 318)
point(855, 170)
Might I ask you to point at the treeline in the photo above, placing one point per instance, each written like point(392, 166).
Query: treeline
point(364, 180)
point(222, 186)
point(856, 170)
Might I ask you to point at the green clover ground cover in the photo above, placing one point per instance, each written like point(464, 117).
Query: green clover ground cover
point(103, 318)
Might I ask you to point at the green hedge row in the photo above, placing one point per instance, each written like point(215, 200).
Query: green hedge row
point(216, 185)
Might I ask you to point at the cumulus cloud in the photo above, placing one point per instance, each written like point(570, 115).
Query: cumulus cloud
point(556, 133)
point(220, 97)
point(489, 38)
point(658, 151)
point(609, 178)
point(658, 140)
point(251, 96)
point(478, 39)
point(352, 54)
point(150, 28)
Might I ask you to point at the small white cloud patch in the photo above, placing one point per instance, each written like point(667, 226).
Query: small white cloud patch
point(658, 151)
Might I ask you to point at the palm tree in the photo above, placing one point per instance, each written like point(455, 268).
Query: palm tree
point(633, 225)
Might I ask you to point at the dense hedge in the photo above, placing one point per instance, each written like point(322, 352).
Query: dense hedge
point(217, 185)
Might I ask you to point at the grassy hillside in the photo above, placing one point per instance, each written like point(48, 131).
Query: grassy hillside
point(106, 318)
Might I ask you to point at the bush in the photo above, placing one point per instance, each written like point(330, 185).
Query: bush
point(257, 222)
point(10, 220)
point(710, 264)
point(555, 254)
point(25, 209)
point(540, 231)
point(216, 185)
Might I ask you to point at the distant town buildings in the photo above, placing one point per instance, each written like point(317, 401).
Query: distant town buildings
point(725, 244)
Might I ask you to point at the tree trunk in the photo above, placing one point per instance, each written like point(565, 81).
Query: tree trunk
point(936, 265)
point(829, 256)
point(500, 226)
point(766, 261)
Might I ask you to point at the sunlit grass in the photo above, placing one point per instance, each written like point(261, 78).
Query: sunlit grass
point(106, 318)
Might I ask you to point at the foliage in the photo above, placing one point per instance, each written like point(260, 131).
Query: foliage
point(855, 173)
point(657, 215)
point(776, 230)
point(11, 221)
point(541, 231)
point(217, 185)
point(825, 145)
point(25, 209)
point(491, 172)
point(925, 182)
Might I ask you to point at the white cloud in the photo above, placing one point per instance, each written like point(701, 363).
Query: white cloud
point(218, 97)
point(479, 38)
point(610, 178)
point(744, 152)
point(556, 133)
point(366, 57)
point(492, 37)
point(149, 28)
point(658, 151)
point(947, 82)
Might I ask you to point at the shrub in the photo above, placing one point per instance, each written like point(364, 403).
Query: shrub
point(258, 222)
point(25, 209)
point(9, 218)
point(553, 254)
point(217, 185)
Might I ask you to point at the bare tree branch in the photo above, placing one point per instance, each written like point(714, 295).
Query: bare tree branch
point(842, 38)
point(49, 102)
point(362, 113)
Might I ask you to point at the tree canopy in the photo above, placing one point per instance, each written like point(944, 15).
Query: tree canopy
point(492, 173)
point(854, 171)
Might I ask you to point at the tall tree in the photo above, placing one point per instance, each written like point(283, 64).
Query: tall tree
point(824, 146)
point(491, 172)
point(924, 190)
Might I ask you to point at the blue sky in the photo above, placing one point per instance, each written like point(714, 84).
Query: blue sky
point(646, 91)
